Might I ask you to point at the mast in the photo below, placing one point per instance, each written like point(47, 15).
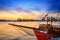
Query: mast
point(51, 21)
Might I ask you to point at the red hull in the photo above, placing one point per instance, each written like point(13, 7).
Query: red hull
point(41, 36)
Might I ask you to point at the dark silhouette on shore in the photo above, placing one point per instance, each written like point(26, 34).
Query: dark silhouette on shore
point(3, 20)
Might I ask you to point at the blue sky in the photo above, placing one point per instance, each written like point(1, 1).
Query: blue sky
point(30, 5)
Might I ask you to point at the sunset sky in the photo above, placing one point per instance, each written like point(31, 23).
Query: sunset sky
point(27, 9)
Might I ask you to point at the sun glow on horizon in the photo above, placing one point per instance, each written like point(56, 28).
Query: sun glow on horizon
point(12, 16)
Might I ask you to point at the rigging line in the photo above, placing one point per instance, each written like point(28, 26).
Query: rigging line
point(21, 32)
point(50, 8)
point(18, 30)
point(26, 32)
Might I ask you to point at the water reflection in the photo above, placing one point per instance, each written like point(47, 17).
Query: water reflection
point(8, 32)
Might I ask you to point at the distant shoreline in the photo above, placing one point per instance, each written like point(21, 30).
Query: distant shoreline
point(18, 21)
point(25, 21)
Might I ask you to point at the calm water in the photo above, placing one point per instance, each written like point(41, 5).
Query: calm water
point(8, 32)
